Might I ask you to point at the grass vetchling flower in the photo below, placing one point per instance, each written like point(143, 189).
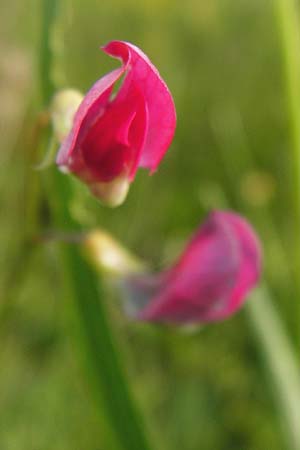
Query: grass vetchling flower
point(211, 279)
point(113, 135)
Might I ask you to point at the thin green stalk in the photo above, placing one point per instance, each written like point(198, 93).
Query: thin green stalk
point(48, 14)
point(280, 360)
point(116, 406)
point(288, 23)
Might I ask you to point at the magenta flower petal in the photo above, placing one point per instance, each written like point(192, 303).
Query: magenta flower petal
point(112, 137)
point(210, 280)
point(160, 105)
point(93, 104)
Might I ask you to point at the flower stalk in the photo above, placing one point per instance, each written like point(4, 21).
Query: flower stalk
point(288, 24)
point(280, 360)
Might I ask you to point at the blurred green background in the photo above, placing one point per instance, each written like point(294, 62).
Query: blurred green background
point(222, 60)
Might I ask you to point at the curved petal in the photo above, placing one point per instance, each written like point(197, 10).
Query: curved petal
point(91, 106)
point(250, 260)
point(113, 143)
point(209, 282)
point(161, 110)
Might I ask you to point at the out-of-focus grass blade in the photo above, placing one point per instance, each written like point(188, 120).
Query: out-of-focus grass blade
point(282, 363)
point(287, 13)
point(101, 355)
point(49, 12)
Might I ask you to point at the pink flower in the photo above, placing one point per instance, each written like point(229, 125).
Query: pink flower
point(211, 279)
point(112, 136)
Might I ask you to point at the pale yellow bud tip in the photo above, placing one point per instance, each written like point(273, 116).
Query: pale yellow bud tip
point(108, 255)
point(112, 193)
point(62, 110)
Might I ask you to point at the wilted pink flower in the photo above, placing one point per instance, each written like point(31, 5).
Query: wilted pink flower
point(112, 136)
point(211, 279)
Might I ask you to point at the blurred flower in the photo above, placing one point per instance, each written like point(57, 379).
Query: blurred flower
point(111, 136)
point(210, 280)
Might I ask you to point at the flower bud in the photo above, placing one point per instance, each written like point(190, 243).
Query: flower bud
point(109, 256)
point(114, 134)
point(63, 109)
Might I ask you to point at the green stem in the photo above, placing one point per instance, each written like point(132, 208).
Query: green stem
point(288, 22)
point(49, 14)
point(102, 360)
point(275, 347)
